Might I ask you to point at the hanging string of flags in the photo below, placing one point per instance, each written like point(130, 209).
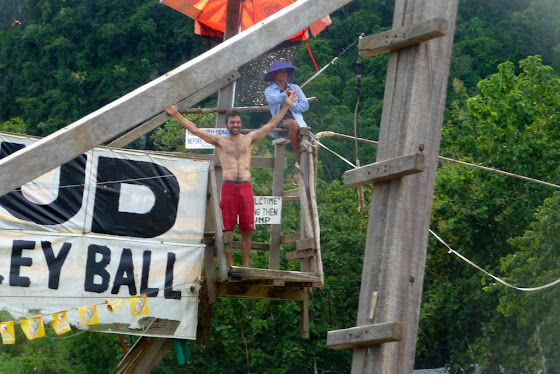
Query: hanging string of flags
point(34, 327)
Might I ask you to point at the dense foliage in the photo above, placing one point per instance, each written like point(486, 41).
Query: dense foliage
point(68, 58)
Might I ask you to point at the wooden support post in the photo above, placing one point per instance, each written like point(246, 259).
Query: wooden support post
point(304, 317)
point(144, 356)
point(277, 190)
point(214, 210)
point(400, 211)
point(151, 99)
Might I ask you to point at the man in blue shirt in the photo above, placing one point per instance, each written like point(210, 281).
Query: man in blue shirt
point(278, 73)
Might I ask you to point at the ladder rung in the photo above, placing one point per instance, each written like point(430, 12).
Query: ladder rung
point(385, 170)
point(365, 335)
point(406, 36)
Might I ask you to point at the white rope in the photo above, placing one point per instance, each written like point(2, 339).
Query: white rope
point(333, 152)
point(526, 289)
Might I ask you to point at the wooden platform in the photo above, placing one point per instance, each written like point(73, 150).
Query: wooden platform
point(237, 274)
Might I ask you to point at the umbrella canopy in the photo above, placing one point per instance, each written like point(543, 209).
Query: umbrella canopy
point(210, 15)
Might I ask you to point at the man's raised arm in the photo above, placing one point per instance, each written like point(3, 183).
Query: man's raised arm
point(208, 138)
point(259, 134)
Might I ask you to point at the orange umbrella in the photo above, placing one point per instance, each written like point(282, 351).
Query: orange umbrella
point(210, 15)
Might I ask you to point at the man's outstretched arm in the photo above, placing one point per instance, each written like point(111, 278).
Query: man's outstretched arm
point(259, 134)
point(208, 138)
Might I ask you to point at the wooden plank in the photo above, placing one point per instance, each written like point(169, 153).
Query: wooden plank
point(144, 355)
point(161, 118)
point(277, 189)
point(143, 103)
point(248, 291)
point(288, 276)
point(385, 170)
point(307, 243)
point(254, 246)
point(400, 210)
point(217, 223)
point(210, 274)
point(290, 238)
point(240, 109)
point(402, 37)
point(290, 196)
point(304, 316)
point(304, 253)
point(365, 335)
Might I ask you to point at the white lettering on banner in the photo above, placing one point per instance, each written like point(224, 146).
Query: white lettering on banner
point(268, 210)
point(107, 224)
point(194, 142)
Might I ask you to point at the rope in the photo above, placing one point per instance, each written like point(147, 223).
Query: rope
point(331, 63)
point(441, 158)
point(525, 289)
point(356, 111)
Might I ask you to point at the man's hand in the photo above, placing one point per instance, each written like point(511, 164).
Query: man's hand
point(171, 110)
point(291, 97)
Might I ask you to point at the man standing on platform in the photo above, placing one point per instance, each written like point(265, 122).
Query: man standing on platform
point(234, 152)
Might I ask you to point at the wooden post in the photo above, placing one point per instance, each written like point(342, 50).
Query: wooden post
point(277, 190)
point(400, 212)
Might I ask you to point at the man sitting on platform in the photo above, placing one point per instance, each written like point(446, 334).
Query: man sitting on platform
point(234, 152)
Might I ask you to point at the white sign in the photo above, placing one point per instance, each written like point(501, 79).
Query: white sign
point(194, 142)
point(108, 224)
point(48, 273)
point(268, 210)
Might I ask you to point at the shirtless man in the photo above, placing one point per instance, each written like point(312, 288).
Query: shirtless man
point(234, 151)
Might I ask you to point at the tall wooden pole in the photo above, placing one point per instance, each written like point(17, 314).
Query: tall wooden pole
point(226, 94)
point(400, 213)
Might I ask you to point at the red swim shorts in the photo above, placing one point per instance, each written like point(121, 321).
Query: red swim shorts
point(237, 200)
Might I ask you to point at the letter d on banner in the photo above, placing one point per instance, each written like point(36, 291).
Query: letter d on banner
point(112, 173)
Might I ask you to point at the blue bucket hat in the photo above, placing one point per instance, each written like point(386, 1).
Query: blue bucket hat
point(279, 65)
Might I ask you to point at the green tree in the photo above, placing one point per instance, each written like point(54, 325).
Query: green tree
point(512, 125)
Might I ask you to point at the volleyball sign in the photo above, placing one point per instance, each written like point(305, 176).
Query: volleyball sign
point(106, 225)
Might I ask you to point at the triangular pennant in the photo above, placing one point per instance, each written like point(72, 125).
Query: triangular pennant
point(139, 305)
point(8, 333)
point(88, 315)
point(33, 328)
point(60, 323)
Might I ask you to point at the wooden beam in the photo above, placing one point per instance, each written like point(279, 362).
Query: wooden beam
point(306, 243)
point(290, 238)
point(365, 335)
point(304, 316)
point(150, 99)
point(385, 170)
point(240, 109)
point(254, 246)
point(400, 210)
point(216, 213)
point(251, 291)
point(288, 276)
point(161, 118)
point(144, 355)
point(277, 189)
point(402, 37)
point(303, 253)
point(291, 196)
